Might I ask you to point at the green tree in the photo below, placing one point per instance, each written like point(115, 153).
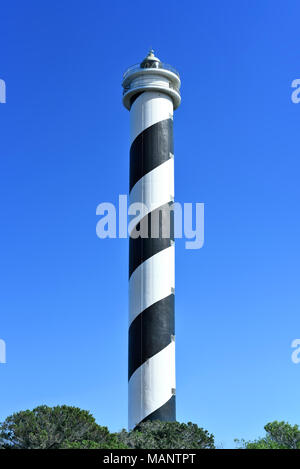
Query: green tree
point(167, 435)
point(114, 443)
point(51, 427)
point(279, 435)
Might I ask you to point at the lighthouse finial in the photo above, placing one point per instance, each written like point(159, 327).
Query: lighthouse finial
point(150, 57)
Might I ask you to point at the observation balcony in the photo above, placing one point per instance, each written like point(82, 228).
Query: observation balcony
point(151, 75)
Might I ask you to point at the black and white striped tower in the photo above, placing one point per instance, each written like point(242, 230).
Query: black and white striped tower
point(151, 93)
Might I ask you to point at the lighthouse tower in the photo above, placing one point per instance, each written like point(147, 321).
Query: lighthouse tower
point(151, 94)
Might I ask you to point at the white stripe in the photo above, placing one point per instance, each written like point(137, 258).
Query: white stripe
point(148, 109)
point(151, 281)
point(151, 385)
point(156, 188)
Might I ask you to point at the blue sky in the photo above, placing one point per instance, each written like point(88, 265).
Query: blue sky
point(64, 150)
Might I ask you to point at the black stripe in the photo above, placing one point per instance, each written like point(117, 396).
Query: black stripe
point(150, 332)
point(134, 97)
point(159, 223)
point(166, 413)
point(150, 149)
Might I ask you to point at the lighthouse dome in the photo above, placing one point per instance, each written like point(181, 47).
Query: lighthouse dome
point(151, 75)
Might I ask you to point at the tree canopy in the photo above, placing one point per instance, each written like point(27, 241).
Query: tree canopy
point(279, 435)
point(51, 428)
point(67, 427)
point(167, 435)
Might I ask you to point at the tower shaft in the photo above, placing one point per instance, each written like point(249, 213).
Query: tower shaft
point(151, 93)
point(151, 368)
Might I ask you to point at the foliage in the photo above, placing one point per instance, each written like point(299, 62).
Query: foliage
point(167, 435)
point(279, 435)
point(88, 444)
point(68, 427)
point(51, 427)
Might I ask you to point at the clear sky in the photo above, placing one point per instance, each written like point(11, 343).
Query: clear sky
point(64, 149)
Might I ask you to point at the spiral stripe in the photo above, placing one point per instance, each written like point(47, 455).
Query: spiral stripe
point(151, 365)
point(151, 387)
point(152, 281)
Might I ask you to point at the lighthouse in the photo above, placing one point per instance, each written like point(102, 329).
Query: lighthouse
point(151, 94)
